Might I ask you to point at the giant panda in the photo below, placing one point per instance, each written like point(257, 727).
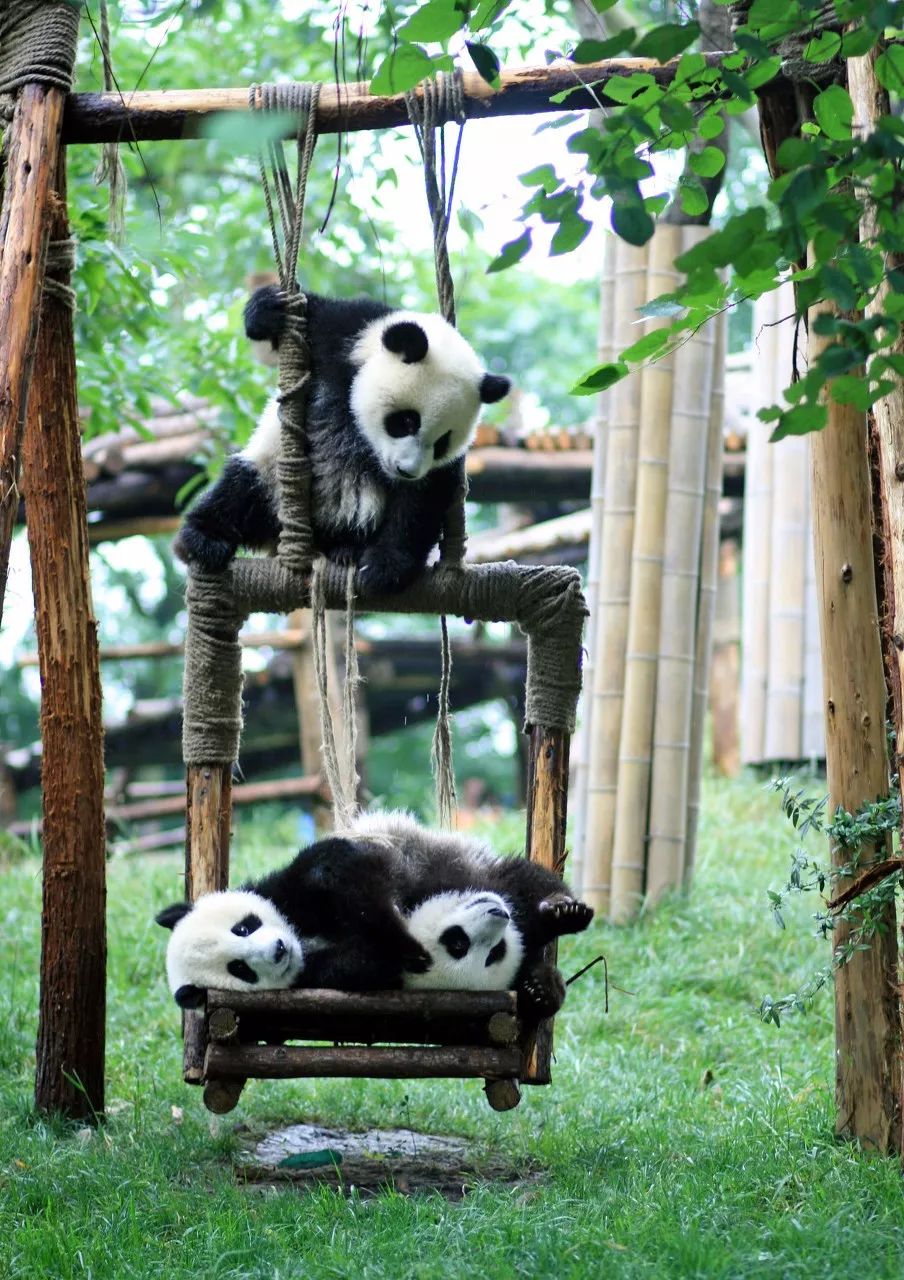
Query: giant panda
point(370, 906)
point(394, 398)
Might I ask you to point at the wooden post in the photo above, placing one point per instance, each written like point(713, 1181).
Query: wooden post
point(547, 812)
point(866, 1025)
point(34, 146)
point(871, 101)
point(70, 1049)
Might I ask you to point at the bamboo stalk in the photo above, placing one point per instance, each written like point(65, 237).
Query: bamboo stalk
point(726, 665)
point(678, 622)
point(636, 735)
point(614, 583)
point(581, 768)
point(160, 114)
point(31, 163)
point(706, 595)
point(756, 589)
point(69, 1071)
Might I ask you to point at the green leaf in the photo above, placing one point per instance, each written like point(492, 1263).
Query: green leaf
point(437, 20)
point(598, 379)
point(762, 72)
point(512, 252)
point(625, 89)
point(666, 41)
point(890, 68)
point(834, 112)
point(839, 287)
point(487, 12)
point(665, 305)
point(823, 47)
point(691, 65)
point(602, 5)
point(706, 163)
point(543, 176)
point(632, 223)
point(599, 50)
point(573, 229)
point(401, 70)
point(485, 61)
point(848, 389)
point(711, 126)
point(800, 421)
point(693, 197)
point(649, 345)
point(854, 44)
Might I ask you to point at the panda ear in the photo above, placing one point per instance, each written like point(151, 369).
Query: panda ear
point(407, 339)
point(190, 997)
point(170, 916)
point(493, 386)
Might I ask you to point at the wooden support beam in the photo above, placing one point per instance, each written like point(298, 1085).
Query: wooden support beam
point(287, 1062)
point(547, 812)
point(158, 114)
point(866, 1023)
point(69, 1074)
point(33, 148)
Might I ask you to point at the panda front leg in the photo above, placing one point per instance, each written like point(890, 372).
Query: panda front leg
point(238, 510)
point(411, 528)
point(540, 991)
point(558, 914)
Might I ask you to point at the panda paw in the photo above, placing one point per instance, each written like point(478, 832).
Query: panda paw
point(382, 572)
point(541, 992)
point(343, 555)
point(203, 551)
point(265, 314)
point(564, 914)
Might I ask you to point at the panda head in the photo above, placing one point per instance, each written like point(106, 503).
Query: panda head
point(231, 941)
point(472, 940)
point(417, 392)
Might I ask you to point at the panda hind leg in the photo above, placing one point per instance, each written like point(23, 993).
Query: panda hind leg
point(541, 991)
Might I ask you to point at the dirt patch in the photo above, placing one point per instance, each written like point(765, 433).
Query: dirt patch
point(312, 1155)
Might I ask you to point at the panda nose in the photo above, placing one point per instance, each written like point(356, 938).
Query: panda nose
point(406, 475)
point(499, 912)
point(279, 950)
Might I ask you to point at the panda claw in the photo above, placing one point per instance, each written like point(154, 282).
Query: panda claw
point(193, 547)
point(566, 914)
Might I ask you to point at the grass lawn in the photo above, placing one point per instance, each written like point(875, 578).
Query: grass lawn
point(682, 1137)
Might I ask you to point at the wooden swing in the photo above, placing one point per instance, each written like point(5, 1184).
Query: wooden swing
point(392, 1034)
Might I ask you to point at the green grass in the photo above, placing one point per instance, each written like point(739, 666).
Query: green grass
point(682, 1137)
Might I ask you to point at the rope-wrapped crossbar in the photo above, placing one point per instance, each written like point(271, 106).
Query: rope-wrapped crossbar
point(38, 41)
point(546, 602)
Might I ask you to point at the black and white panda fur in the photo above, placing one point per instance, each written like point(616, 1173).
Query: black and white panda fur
point(471, 939)
point(394, 398)
point(370, 908)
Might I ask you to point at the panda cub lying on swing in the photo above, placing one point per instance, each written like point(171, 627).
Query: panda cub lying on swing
point(394, 398)
point(388, 904)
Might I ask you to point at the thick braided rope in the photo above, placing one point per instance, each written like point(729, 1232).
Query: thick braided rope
point(38, 41)
point(545, 601)
point(57, 271)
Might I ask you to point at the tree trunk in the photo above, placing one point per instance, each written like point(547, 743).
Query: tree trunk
point(70, 1049)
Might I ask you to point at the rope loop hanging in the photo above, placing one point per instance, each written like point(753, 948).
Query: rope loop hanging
point(285, 211)
point(439, 101)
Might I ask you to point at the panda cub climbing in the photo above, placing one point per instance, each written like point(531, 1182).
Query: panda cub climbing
point(394, 398)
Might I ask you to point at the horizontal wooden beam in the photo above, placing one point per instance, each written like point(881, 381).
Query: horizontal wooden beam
point(372, 1004)
point(284, 1062)
point(154, 115)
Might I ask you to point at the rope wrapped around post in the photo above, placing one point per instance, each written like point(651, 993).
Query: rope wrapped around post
point(545, 602)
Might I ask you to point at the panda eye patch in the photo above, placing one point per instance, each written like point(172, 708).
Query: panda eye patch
point(248, 924)
point(456, 941)
point(242, 971)
point(402, 422)
point(496, 954)
point(441, 448)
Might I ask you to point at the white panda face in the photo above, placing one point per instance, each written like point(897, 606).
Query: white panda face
point(472, 941)
point(418, 391)
point(232, 941)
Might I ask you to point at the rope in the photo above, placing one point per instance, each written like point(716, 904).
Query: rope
point(58, 268)
point(110, 167)
point(38, 41)
point(285, 212)
point(545, 601)
point(440, 100)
